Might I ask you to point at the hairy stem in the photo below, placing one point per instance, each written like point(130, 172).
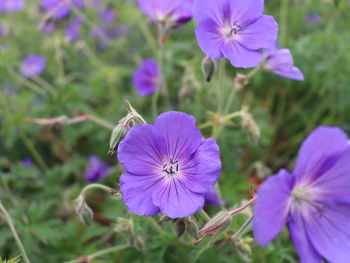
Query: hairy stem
point(9, 221)
point(99, 253)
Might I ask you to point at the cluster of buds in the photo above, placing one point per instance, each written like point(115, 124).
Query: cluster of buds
point(133, 118)
point(248, 123)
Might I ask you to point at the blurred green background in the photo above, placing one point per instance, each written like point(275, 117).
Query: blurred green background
point(86, 80)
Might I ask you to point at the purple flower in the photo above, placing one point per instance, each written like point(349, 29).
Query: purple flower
point(60, 8)
point(27, 162)
point(96, 170)
point(169, 167)
point(313, 18)
point(11, 5)
point(108, 16)
point(212, 197)
point(172, 12)
point(280, 62)
point(146, 78)
point(49, 28)
point(235, 29)
point(314, 200)
point(72, 31)
point(33, 65)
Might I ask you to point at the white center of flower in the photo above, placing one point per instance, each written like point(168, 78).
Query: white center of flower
point(304, 196)
point(229, 31)
point(171, 168)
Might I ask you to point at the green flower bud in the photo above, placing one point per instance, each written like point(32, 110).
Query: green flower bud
point(124, 125)
point(208, 68)
point(180, 227)
point(84, 211)
point(191, 228)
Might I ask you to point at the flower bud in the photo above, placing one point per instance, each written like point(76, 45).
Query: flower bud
point(208, 68)
point(191, 227)
point(245, 244)
point(180, 227)
point(124, 125)
point(84, 211)
point(217, 225)
point(248, 123)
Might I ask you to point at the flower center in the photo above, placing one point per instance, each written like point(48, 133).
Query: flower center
point(171, 168)
point(229, 31)
point(305, 196)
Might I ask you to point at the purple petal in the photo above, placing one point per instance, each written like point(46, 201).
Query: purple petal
point(281, 63)
point(137, 193)
point(272, 207)
point(335, 183)
point(11, 5)
point(209, 38)
point(261, 34)
point(181, 134)
point(146, 78)
point(241, 57)
point(243, 11)
point(212, 197)
point(176, 201)
point(142, 151)
point(202, 172)
point(303, 246)
point(319, 152)
point(329, 232)
point(33, 65)
point(161, 10)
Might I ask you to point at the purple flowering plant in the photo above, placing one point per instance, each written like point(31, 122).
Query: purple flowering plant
point(168, 177)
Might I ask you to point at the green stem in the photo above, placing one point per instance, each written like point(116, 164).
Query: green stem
point(24, 81)
point(100, 253)
point(241, 230)
point(204, 215)
point(156, 226)
point(104, 123)
point(45, 85)
point(283, 22)
point(160, 60)
point(95, 186)
point(14, 233)
point(36, 155)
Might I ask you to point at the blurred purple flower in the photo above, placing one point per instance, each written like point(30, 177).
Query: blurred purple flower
point(108, 16)
point(27, 161)
point(72, 31)
point(97, 169)
point(314, 200)
point(172, 12)
point(33, 65)
point(169, 168)
point(146, 78)
point(11, 5)
point(60, 8)
point(280, 62)
point(212, 197)
point(49, 28)
point(235, 29)
point(2, 30)
point(313, 18)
